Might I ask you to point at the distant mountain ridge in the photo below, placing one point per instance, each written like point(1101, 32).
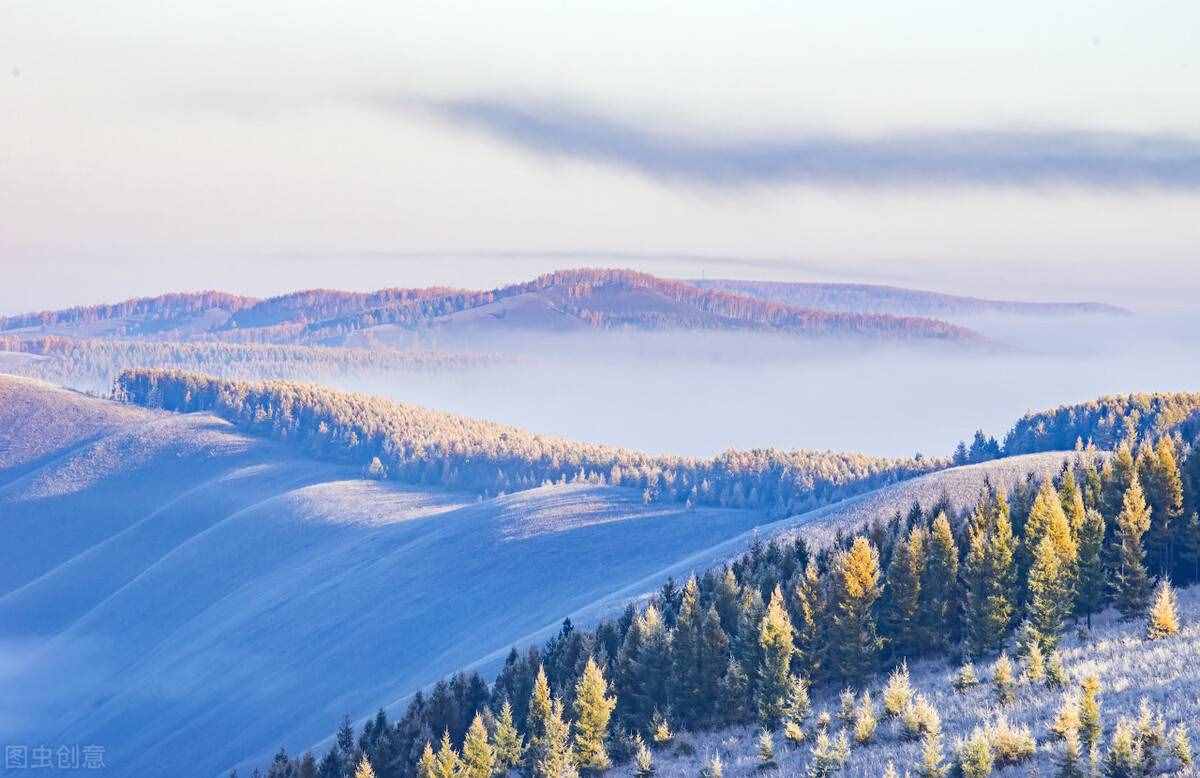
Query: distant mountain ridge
point(564, 301)
point(895, 300)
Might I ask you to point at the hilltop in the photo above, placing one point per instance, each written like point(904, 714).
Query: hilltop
point(562, 302)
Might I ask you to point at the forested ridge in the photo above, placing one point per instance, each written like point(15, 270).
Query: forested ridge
point(584, 294)
point(98, 361)
point(597, 298)
point(416, 445)
point(750, 642)
point(897, 300)
point(1104, 423)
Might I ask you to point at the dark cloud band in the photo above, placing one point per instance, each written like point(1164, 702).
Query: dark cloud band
point(983, 158)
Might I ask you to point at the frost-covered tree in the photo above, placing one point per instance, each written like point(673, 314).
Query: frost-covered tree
point(775, 651)
point(1130, 578)
point(593, 709)
point(853, 643)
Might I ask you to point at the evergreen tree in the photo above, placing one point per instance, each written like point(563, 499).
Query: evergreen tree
point(1187, 562)
point(714, 659)
point(556, 759)
point(989, 575)
point(593, 708)
point(687, 649)
point(735, 692)
point(1117, 477)
point(1047, 519)
point(1091, 576)
point(1049, 594)
point(509, 745)
point(1163, 620)
point(541, 708)
point(1089, 711)
point(1163, 485)
point(427, 766)
point(364, 769)
point(654, 665)
point(448, 764)
point(806, 596)
point(902, 594)
point(938, 581)
point(775, 660)
point(727, 596)
point(1072, 502)
point(853, 644)
point(1132, 582)
point(478, 756)
point(745, 648)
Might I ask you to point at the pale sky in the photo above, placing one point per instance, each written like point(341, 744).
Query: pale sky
point(1021, 148)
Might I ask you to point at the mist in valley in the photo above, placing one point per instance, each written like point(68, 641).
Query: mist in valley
point(700, 393)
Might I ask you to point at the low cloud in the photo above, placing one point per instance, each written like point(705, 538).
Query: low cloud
point(1000, 158)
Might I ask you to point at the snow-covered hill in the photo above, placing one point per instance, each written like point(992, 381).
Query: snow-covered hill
point(187, 595)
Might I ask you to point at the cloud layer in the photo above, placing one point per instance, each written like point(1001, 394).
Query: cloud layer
point(935, 158)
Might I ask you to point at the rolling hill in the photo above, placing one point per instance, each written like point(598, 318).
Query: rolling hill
point(211, 595)
point(562, 302)
point(898, 301)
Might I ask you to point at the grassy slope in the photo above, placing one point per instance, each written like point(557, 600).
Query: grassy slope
point(1166, 672)
point(211, 596)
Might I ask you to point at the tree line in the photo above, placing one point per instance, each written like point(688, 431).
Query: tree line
point(747, 642)
point(96, 362)
point(1104, 423)
point(416, 445)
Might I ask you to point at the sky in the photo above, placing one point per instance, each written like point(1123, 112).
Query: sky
point(1047, 151)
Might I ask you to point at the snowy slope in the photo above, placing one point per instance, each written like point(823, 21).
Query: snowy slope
point(960, 484)
point(190, 597)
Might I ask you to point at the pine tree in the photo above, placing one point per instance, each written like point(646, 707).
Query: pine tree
point(1072, 502)
point(1003, 682)
point(448, 763)
point(1159, 471)
point(1089, 711)
point(902, 594)
point(1047, 519)
point(854, 588)
point(593, 708)
point(556, 760)
point(643, 760)
point(1091, 577)
point(541, 708)
point(1049, 594)
point(1132, 582)
point(427, 766)
point(1163, 620)
point(745, 648)
point(478, 756)
point(938, 581)
point(1117, 477)
point(364, 769)
point(806, 595)
point(735, 692)
point(774, 669)
point(509, 745)
point(727, 596)
point(687, 693)
point(989, 576)
point(714, 659)
point(653, 672)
